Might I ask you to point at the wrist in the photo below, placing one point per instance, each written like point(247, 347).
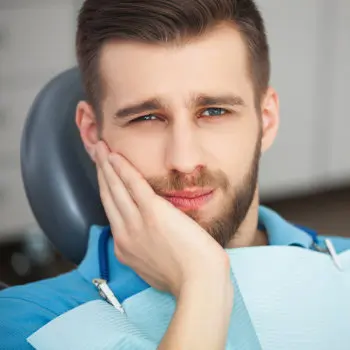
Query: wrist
point(212, 280)
point(204, 303)
point(212, 296)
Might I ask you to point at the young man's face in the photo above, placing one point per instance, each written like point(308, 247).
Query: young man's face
point(185, 116)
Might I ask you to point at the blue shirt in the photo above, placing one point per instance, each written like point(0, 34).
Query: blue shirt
point(25, 309)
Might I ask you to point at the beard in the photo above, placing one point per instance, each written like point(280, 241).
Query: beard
point(238, 200)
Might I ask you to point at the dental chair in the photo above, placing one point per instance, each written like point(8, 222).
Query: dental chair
point(59, 177)
point(61, 185)
point(3, 285)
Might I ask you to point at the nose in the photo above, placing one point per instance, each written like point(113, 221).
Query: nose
point(184, 151)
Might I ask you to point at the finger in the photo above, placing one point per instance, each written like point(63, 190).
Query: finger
point(111, 210)
point(136, 184)
point(120, 234)
point(118, 192)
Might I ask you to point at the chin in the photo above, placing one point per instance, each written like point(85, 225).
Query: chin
point(205, 217)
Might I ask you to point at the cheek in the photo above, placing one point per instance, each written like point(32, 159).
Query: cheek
point(144, 153)
point(231, 152)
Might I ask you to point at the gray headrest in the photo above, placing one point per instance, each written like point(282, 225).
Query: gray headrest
point(59, 177)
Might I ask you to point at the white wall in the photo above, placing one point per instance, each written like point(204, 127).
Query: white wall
point(36, 43)
point(339, 117)
point(310, 51)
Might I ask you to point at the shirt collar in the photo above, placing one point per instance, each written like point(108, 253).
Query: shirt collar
point(281, 232)
point(124, 282)
point(89, 267)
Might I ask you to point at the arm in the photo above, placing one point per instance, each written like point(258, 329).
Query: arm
point(202, 315)
point(18, 320)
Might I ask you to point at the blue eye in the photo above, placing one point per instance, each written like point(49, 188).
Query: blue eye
point(214, 112)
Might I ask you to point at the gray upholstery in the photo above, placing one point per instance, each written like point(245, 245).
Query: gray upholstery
point(59, 177)
point(3, 285)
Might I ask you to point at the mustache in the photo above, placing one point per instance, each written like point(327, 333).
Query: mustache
point(177, 181)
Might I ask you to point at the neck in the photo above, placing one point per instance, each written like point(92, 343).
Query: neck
point(248, 235)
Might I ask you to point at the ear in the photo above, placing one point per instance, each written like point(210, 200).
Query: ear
point(86, 122)
point(270, 119)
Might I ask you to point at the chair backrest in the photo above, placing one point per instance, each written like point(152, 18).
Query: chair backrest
point(59, 177)
point(3, 285)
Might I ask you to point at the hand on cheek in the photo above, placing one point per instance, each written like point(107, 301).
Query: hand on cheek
point(159, 242)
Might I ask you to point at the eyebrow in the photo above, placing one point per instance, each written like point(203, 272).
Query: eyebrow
point(207, 100)
point(138, 108)
point(196, 101)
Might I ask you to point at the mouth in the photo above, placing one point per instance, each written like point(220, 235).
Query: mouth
point(189, 199)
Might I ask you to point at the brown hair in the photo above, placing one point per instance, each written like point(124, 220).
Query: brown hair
point(163, 21)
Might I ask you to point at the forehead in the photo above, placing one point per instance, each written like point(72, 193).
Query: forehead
point(214, 63)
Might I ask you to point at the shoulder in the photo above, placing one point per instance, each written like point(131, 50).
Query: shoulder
point(25, 309)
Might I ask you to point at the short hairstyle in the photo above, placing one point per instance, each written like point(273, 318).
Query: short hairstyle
point(166, 21)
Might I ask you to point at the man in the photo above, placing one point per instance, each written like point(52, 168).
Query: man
point(178, 112)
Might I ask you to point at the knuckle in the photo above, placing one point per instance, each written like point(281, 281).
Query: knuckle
point(120, 255)
point(114, 187)
point(122, 242)
point(123, 174)
point(103, 194)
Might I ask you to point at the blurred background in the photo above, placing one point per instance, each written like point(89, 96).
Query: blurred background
point(306, 175)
